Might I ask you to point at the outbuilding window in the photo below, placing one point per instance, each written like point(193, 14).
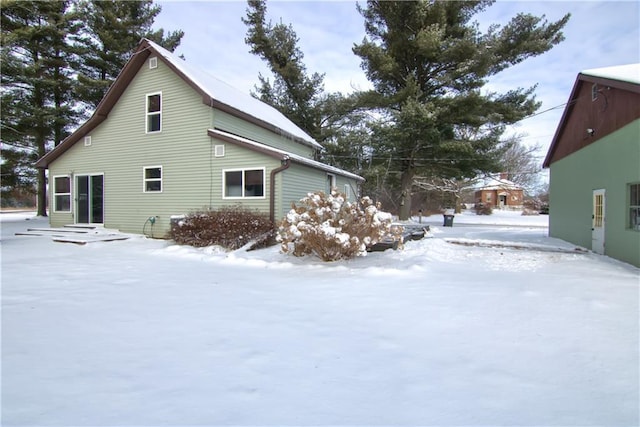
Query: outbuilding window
point(61, 194)
point(243, 183)
point(634, 206)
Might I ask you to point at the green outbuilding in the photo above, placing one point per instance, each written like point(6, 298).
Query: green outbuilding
point(594, 162)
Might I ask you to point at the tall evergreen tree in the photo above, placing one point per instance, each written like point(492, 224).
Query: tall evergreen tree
point(36, 88)
point(112, 31)
point(293, 92)
point(428, 63)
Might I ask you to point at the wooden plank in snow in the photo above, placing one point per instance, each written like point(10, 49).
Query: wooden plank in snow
point(89, 239)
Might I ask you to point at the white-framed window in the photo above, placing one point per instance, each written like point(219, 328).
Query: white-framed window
point(347, 191)
point(243, 183)
point(62, 193)
point(218, 150)
point(153, 62)
point(634, 206)
point(87, 141)
point(594, 91)
point(154, 112)
point(152, 179)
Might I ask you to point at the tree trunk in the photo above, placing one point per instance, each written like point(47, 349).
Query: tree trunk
point(42, 193)
point(458, 208)
point(406, 183)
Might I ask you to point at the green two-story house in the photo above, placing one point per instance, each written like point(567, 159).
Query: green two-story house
point(594, 162)
point(169, 139)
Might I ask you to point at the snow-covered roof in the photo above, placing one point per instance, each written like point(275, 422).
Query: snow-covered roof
point(497, 183)
point(281, 153)
point(625, 73)
point(227, 94)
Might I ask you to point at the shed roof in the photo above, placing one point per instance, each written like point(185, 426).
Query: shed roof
point(625, 73)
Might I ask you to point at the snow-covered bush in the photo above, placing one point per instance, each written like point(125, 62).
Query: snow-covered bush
point(230, 227)
point(330, 227)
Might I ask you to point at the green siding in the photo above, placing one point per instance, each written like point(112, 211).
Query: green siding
point(234, 125)
point(342, 182)
point(120, 149)
point(610, 164)
point(300, 180)
point(192, 176)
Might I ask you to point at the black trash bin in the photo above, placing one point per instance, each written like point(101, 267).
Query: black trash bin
point(448, 221)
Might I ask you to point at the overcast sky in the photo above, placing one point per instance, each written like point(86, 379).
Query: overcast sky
point(599, 34)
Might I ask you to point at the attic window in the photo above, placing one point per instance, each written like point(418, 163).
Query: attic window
point(87, 141)
point(218, 150)
point(153, 63)
point(594, 92)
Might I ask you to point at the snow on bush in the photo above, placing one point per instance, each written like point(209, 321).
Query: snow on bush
point(330, 227)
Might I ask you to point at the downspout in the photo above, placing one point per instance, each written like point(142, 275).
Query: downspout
point(272, 187)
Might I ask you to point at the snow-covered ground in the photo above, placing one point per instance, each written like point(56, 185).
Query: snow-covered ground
point(142, 332)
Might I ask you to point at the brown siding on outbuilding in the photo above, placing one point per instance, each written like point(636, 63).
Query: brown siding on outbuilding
point(614, 107)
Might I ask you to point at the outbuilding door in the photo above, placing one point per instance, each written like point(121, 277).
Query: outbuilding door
point(598, 222)
point(90, 199)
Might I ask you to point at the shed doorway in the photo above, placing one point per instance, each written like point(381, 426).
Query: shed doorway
point(598, 222)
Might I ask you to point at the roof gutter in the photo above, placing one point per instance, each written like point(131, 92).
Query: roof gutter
point(286, 162)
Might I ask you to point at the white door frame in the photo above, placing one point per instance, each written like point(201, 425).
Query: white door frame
point(89, 199)
point(598, 221)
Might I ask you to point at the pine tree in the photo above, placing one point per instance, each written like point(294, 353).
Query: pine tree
point(112, 31)
point(428, 63)
point(293, 92)
point(36, 88)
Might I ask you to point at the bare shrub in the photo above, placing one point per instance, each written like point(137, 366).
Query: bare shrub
point(328, 226)
point(230, 227)
point(483, 208)
point(529, 212)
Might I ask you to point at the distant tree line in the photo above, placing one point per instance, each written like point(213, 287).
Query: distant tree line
point(58, 59)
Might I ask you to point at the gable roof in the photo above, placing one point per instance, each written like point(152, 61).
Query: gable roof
point(625, 77)
point(497, 183)
point(214, 92)
point(279, 154)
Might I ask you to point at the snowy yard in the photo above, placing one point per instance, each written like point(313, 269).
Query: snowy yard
point(142, 332)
